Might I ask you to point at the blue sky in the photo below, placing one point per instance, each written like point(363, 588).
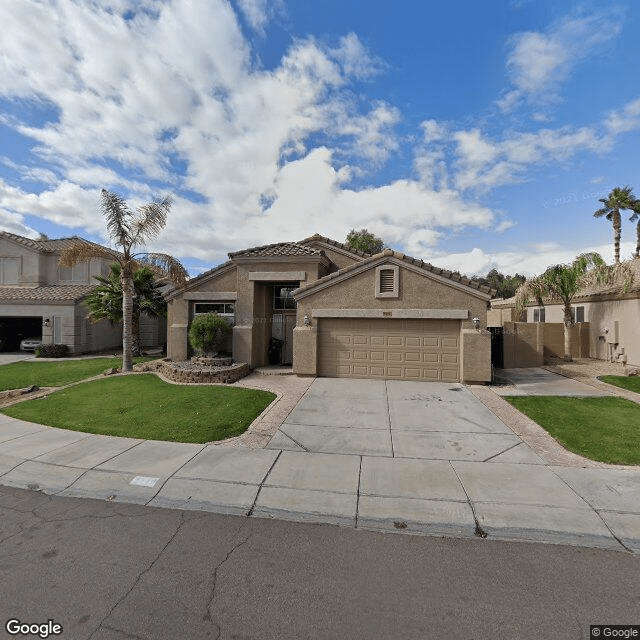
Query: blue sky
point(469, 134)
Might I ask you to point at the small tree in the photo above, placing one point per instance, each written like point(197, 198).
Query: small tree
point(365, 241)
point(105, 303)
point(209, 333)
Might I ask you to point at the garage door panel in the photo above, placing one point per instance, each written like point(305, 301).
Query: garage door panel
point(389, 349)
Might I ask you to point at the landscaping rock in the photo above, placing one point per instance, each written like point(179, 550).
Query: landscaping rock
point(111, 371)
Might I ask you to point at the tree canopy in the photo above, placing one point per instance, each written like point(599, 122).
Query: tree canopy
point(365, 241)
point(505, 285)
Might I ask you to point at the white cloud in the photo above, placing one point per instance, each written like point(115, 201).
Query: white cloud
point(539, 63)
point(528, 260)
point(356, 59)
point(259, 12)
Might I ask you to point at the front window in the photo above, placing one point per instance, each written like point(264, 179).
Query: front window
point(283, 297)
point(225, 310)
point(538, 315)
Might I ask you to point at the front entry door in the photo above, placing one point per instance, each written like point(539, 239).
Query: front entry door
point(282, 328)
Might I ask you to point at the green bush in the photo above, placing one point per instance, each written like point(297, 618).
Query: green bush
point(52, 351)
point(209, 333)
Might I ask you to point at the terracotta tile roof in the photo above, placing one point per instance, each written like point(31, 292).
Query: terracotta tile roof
point(51, 293)
point(408, 260)
point(340, 245)
point(278, 249)
point(48, 246)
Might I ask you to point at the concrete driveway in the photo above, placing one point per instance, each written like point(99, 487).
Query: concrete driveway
point(8, 358)
point(393, 419)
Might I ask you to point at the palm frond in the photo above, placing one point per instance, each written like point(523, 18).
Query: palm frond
point(165, 267)
point(118, 217)
point(82, 251)
point(150, 220)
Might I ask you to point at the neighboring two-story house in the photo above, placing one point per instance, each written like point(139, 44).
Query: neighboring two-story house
point(40, 299)
point(338, 312)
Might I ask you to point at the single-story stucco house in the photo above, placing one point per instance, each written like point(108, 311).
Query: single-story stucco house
point(338, 312)
point(40, 299)
point(612, 316)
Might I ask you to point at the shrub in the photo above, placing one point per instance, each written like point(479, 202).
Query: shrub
point(209, 333)
point(52, 351)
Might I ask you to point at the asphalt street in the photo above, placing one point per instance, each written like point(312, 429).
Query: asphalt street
point(114, 571)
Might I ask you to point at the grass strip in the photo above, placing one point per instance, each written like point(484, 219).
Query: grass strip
point(603, 429)
point(48, 373)
point(624, 382)
point(143, 406)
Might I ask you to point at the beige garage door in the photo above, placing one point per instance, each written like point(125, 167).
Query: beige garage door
point(389, 349)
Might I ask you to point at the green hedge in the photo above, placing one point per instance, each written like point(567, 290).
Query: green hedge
point(52, 351)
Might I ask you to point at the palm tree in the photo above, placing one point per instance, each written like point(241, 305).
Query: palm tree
point(105, 303)
point(633, 218)
point(560, 282)
point(619, 198)
point(129, 229)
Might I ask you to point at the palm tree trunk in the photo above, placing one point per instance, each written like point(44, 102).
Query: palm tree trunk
point(568, 322)
point(638, 240)
point(616, 235)
point(126, 279)
point(135, 332)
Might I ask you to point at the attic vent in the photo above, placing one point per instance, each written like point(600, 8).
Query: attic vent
point(387, 285)
point(386, 280)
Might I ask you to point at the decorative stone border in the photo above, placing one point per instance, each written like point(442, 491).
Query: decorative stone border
point(189, 373)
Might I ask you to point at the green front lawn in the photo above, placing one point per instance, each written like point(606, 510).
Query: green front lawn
point(50, 373)
point(630, 383)
point(143, 406)
point(603, 429)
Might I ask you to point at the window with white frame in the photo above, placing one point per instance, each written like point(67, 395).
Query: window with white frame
point(538, 315)
point(578, 314)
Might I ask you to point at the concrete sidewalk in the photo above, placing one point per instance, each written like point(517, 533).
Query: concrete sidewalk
point(424, 458)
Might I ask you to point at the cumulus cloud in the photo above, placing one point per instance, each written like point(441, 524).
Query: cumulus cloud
point(135, 110)
point(540, 62)
point(529, 260)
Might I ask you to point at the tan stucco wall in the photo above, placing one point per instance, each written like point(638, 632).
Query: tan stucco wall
point(528, 344)
point(475, 356)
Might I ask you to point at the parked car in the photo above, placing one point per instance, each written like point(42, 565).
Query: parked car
point(30, 344)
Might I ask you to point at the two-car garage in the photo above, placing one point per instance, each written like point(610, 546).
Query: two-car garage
point(401, 349)
point(396, 318)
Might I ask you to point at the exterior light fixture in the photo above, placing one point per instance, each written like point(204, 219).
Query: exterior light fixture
point(307, 320)
point(47, 322)
point(476, 322)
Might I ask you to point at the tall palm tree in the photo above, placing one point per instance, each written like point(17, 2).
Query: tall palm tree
point(619, 198)
point(560, 282)
point(633, 218)
point(128, 230)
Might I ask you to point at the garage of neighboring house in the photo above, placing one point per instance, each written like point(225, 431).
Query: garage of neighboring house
point(15, 329)
point(393, 317)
